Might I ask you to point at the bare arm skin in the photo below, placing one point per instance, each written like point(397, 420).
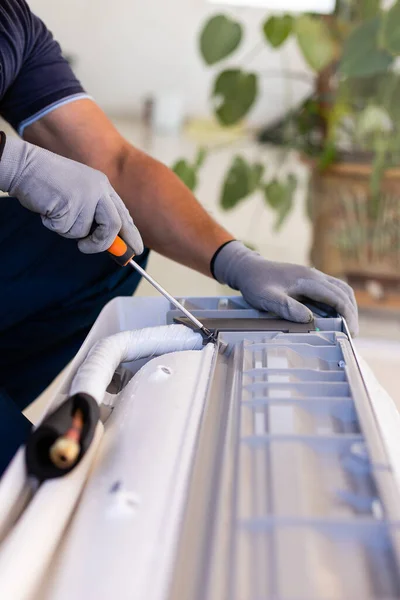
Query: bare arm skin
point(168, 216)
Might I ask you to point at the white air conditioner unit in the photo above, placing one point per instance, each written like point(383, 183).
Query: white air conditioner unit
point(297, 6)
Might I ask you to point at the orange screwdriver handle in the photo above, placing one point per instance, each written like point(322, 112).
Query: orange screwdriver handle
point(121, 252)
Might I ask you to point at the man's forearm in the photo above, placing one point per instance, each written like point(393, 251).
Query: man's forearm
point(170, 219)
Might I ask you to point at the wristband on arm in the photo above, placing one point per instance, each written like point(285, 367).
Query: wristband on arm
point(3, 139)
point(214, 258)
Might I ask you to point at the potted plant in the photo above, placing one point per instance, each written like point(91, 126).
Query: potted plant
point(348, 130)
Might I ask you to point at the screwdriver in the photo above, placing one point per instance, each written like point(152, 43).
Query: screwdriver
point(123, 255)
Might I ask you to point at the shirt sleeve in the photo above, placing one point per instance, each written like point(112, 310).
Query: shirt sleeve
point(44, 79)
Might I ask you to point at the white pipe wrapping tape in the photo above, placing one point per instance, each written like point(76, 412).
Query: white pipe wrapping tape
point(29, 547)
point(95, 374)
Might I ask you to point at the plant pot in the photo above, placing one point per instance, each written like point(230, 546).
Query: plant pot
point(353, 237)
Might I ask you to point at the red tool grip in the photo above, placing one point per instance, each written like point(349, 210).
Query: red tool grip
point(121, 252)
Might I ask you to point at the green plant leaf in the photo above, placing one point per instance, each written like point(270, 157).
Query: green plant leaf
point(200, 158)
point(234, 94)
point(219, 38)
point(241, 180)
point(390, 33)
point(315, 41)
point(237, 184)
point(388, 93)
point(257, 171)
point(279, 196)
point(278, 29)
point(328, 156)
point(370, 8)
point(362, 56)
point(186, 173)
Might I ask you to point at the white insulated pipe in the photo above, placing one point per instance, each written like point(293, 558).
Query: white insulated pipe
point(95, 374)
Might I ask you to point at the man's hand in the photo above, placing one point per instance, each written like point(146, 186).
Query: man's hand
point(274, 287)
point(73, 200)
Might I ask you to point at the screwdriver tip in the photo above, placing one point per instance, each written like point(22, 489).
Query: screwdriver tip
point(209, 336)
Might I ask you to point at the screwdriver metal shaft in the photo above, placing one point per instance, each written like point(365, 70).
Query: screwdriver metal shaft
point(207, 334)
point(123, 255)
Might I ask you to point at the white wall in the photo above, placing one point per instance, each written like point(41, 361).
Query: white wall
point(127, 49)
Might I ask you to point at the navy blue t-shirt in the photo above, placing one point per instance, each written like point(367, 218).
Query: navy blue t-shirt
point(34, 76)
point(50, 293)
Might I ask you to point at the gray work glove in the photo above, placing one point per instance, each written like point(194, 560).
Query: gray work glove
point(73, 200)
point(273, 286)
